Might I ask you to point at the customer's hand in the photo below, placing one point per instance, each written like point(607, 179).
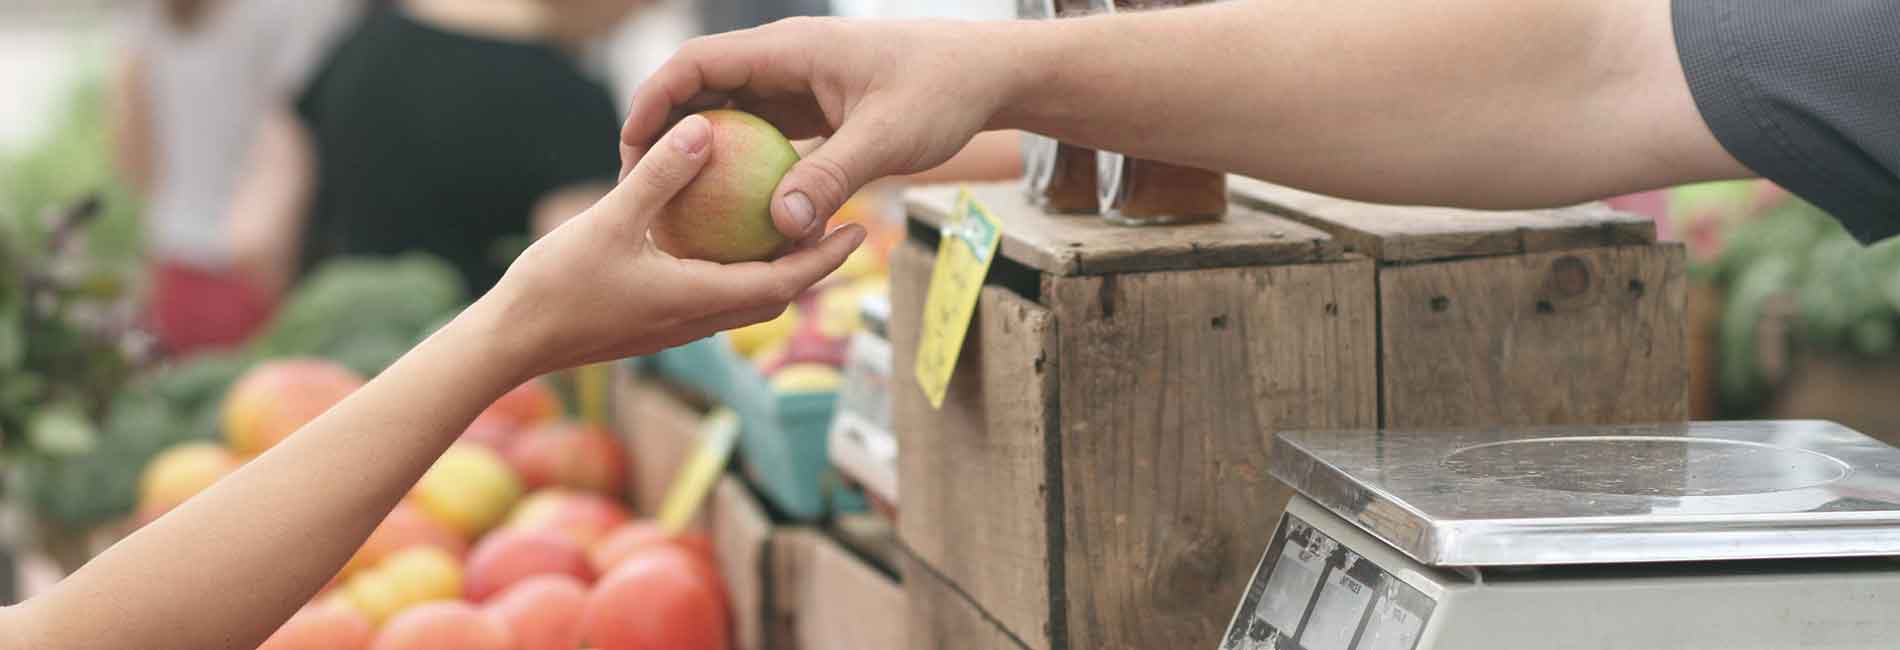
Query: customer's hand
point(892, 98)
point(596, 288)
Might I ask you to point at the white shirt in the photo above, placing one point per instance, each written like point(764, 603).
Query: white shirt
point(208, 90)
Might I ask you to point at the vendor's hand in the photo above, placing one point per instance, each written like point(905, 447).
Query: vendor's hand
point(892, 98)
point(597, 289)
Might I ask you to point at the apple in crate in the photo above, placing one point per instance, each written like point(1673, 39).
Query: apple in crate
point(444, 626)
point(511, 555)
point(322, 626)
point(572, 455)
point(660, 599)
point(544, 612)
point(582, 516)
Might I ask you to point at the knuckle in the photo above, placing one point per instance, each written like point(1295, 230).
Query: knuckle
point(828, 177)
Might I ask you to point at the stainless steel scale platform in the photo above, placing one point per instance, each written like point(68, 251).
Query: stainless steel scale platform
point(1716, 536)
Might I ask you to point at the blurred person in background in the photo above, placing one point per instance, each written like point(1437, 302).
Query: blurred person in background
point(451, 127)
point(197, 78)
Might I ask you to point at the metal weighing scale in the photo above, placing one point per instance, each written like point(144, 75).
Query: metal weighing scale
point(1706, 536)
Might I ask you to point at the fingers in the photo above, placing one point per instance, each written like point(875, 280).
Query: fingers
point(780, 280)
point(705, 73)
point(660, 174)
point(818, 186)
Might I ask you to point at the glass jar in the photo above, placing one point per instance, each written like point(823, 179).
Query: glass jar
point(1059, 177)
point(1138, 192)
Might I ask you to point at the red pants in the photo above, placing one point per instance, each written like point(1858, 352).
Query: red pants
point(194, 309)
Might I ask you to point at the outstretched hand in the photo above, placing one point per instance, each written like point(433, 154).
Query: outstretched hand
point(597, 288)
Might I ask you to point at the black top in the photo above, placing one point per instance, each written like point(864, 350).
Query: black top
point(1807, 94)
point(443, 142)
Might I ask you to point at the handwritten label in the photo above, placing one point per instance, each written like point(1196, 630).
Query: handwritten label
point(970, 236)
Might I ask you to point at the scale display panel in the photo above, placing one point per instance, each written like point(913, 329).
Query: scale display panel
point(1312, 593)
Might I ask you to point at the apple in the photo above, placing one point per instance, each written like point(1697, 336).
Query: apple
point(725, 213)
point(322, 626)
point(469, 489)
point(444, 626)
point(657, 600)
point(573, 455)
point(543, 612)
point(419, 575)
point(511, 555)
point(581, 516)
point(180, 473)
point(406, 527)
point(638, 537)
point(276, 398)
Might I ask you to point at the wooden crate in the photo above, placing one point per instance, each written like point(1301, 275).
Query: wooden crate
point(1097, 475)
point(1572, 316)
point(828, 598)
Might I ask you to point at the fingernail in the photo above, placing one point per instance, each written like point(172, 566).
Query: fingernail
point(798, 208)
point(692, 134)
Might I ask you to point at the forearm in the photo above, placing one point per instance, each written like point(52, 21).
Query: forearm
point(1480, 103)
point(225, 568)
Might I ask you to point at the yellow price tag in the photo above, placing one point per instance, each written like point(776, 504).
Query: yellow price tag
point(717, 435)
point(968, 245)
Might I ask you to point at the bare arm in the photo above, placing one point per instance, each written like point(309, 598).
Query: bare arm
point(272, 200)
point(1478, 103)
point(131, 123)
point(990, 156)
point(225, 569)
point(1475, 103)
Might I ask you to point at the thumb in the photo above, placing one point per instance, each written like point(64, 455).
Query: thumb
point(818, 186)
point(666, 168)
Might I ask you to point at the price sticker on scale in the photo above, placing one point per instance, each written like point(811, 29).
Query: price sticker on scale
point(970, 236)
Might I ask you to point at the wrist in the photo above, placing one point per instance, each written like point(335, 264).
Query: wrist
point(501, 349)
point(1028, 56)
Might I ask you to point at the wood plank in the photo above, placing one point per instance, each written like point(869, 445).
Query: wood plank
point(942, 619)
point(976, 495)
point(1171, 385)
point(1087, 245)
point(869, 535)
point(833, 600)
point(1392, 233)
point(661, 430)
point(741, 537)
point(1578, 337)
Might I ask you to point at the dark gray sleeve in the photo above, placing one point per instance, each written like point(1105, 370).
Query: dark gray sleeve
point(1807, 94)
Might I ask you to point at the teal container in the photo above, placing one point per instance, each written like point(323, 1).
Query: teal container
point(782, 438)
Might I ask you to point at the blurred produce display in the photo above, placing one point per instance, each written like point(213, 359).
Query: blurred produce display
point(357, 316)
point(516, 539)
point(1790, 279)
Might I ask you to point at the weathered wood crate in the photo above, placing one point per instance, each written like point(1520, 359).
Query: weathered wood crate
point(1572, 316)
point(1096, 477)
